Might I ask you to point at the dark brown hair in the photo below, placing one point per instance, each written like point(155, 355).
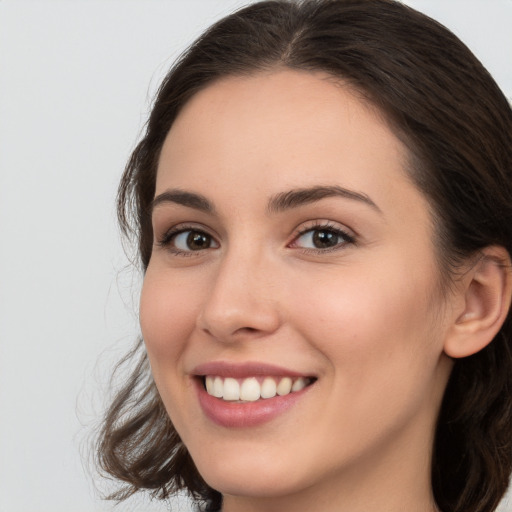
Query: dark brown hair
point(457, 126)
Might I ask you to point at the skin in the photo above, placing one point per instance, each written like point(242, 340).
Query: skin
point(367, 317)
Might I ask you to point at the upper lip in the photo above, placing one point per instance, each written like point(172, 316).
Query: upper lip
point(243, 370)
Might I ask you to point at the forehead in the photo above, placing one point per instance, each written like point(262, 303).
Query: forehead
point(278, 130)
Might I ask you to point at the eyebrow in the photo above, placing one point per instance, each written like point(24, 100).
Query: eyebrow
point(280, 202)
point(302, 196)
point(184, 198)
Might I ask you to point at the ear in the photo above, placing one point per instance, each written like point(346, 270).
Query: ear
point(486, 295)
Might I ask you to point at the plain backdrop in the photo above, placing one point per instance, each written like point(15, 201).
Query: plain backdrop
point(76, 81)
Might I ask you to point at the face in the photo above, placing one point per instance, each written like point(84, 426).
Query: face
point(291, 249)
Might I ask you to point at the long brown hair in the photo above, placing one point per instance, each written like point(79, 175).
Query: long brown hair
point(457, 126)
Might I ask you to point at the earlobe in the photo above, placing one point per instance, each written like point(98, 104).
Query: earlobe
point(487, 289)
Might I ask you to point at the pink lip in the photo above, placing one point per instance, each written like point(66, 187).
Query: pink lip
point(243, 370)
point(240, 415)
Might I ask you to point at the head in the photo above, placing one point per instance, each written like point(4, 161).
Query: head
point(415, 84)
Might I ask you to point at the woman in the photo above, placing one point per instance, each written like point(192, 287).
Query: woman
point(322, 205)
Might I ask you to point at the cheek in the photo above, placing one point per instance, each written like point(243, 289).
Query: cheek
point(373, 319)
point(167, 316)
point(377, 335)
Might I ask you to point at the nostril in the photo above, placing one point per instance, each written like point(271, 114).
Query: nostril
point(248, 329)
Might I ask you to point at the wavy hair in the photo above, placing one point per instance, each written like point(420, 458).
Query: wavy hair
point(457, 125)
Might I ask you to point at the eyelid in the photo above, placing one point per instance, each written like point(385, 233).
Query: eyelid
point(347, 234)
point(323, 225)
point(165, 239)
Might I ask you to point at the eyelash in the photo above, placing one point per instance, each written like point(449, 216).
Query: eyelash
point(167, 239)
point(169, 236)
point(324, 226)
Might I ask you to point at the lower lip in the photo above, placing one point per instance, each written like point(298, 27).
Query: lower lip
point(248, 414)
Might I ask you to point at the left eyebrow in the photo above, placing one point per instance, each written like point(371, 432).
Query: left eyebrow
point(302, 196)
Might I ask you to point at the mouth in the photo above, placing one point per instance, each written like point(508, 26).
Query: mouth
point(241, 395)
point(254, 388)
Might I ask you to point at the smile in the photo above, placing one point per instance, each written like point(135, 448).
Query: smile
point(254, 388)
point(241, 395)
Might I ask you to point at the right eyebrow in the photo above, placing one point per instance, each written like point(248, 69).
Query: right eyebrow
point(189, 199)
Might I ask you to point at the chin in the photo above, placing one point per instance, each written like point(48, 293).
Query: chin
point(264, 483)
point(251, 474)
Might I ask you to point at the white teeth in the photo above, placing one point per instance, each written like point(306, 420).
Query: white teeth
point(268, 388)
point(250, 389)
point(218, 387)
point(299, 384)
point(231, 389)
point(285, 386)
point(209, 385)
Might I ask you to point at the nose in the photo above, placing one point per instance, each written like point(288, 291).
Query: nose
point(242, 301)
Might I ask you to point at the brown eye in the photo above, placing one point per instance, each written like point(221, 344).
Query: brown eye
point(322, 238)
point(325, 239)
point(192, 240)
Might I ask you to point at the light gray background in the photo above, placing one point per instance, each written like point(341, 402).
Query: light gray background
point(76, 79)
